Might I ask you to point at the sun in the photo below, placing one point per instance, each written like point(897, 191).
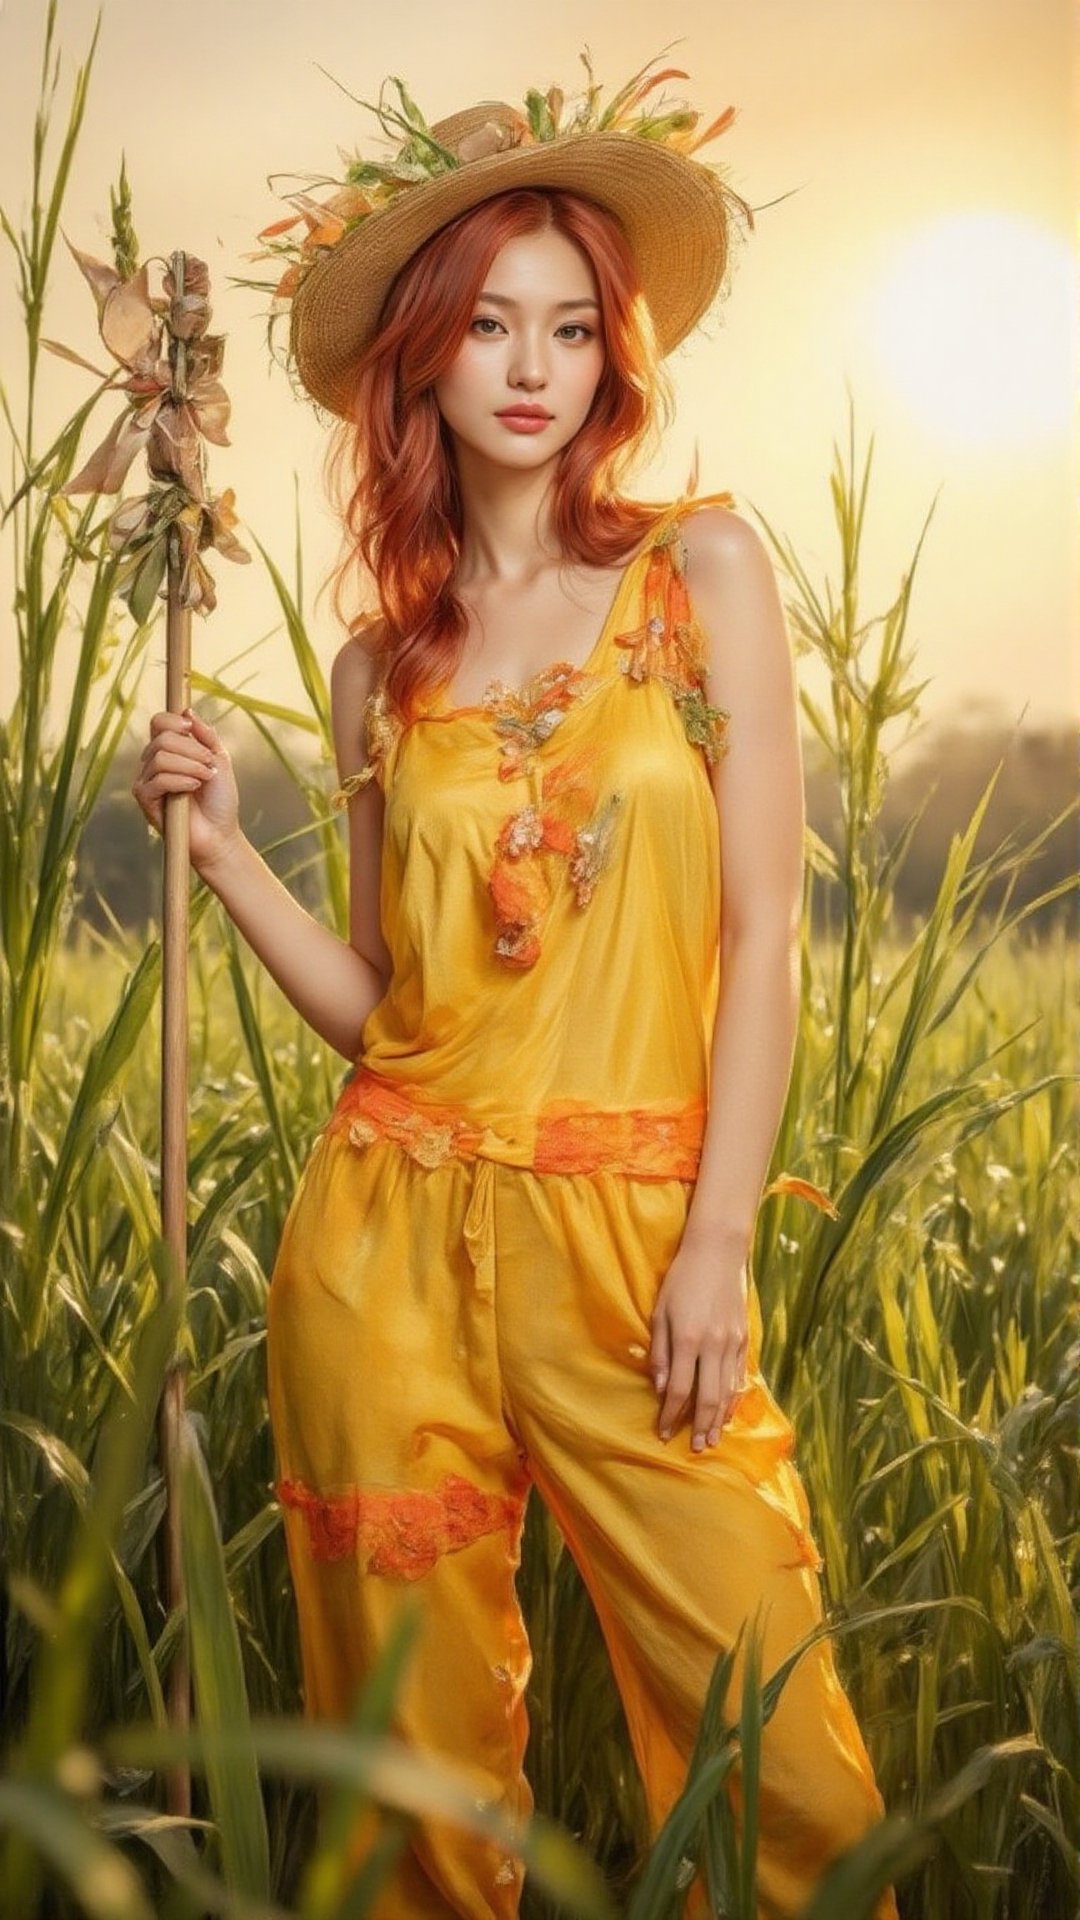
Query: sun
point(973, 322)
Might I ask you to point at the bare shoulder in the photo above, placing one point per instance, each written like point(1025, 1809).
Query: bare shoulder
point(736, 598)
point(722, 546)
point(355, 667)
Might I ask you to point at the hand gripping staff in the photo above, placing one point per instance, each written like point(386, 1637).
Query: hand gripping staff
point(170, 365)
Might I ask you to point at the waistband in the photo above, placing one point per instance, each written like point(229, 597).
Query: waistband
point(658, 1142)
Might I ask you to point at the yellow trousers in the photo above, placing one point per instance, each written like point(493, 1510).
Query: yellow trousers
point(441, 1338)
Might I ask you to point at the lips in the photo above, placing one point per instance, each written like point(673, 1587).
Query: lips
point(524, 413)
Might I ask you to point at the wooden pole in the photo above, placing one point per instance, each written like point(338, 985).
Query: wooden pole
point(174, 1108)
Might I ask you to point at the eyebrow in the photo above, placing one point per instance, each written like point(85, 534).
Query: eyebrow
point(504, 300)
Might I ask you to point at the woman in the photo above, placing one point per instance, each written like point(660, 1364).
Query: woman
point(519, 1252)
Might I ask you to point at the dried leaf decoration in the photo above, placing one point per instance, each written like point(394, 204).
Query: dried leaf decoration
point(315, 225)
point(803, 1190)
point(171, 373)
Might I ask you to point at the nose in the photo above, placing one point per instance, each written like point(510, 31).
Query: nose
point(528, 368)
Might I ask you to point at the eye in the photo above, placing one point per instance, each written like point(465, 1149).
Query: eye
point(574, 326)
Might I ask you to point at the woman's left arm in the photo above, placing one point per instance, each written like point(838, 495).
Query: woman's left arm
point(700, 1321)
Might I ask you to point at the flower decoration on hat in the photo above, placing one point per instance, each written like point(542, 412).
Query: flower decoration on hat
point(316, 225)
point(325, 211)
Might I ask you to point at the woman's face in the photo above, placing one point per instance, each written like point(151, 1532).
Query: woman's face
point(534, 339)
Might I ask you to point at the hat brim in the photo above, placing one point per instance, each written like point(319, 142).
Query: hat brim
point(676, 214)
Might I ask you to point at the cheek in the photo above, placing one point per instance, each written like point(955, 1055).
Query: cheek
point(587, 370)
point(463, 380)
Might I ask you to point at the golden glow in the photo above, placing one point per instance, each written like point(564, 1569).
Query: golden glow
point(973, 323)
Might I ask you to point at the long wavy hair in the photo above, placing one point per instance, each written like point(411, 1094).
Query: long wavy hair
point(389, 465)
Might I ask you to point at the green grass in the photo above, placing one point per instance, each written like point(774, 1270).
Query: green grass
point(941, 1460)
point(924, 1341)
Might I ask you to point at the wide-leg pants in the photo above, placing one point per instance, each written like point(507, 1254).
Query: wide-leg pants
point(443, 1337)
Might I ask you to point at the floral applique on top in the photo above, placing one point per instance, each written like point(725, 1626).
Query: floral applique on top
point(568, 820)
point(382, 729)
point(551, 897)
point(668, 645)
point(567, 813)
point(524, 720)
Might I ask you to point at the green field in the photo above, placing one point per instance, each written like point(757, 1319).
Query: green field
point(926, 1341)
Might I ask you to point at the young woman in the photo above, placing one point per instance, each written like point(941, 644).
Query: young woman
point(519, 1252)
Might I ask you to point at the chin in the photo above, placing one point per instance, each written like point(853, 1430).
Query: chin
point(519, 450)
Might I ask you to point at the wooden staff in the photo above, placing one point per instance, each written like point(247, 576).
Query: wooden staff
point(174, 1102)
point(161, 535)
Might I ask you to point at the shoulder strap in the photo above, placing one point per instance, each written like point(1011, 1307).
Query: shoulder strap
point(662, 640)
point(382, 730)
point(667, 645)
point(689, 503)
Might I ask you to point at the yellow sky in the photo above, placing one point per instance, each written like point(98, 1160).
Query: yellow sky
point(922, 259)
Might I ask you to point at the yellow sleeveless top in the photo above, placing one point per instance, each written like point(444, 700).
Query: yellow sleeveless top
point(551, 903)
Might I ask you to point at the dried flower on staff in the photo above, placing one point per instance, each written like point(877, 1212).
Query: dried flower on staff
point(176, 402)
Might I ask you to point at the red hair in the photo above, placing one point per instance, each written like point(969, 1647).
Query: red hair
point(390, 468)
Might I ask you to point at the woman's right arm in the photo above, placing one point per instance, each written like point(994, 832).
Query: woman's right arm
point(332, 983)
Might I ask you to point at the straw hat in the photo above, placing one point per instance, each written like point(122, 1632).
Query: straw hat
point(678, 214)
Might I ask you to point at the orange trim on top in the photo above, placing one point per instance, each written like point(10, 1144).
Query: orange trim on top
point(645, 1143)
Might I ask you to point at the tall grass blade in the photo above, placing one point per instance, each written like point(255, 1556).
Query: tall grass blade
point(395, 1775)
point(217, 1669)
point(894, 1847)
point(104, 1884)
point(62, 1669)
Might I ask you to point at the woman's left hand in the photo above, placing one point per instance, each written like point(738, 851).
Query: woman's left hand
point(699, 1326)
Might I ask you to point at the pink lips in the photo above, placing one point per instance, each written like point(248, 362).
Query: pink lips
point(524, 422)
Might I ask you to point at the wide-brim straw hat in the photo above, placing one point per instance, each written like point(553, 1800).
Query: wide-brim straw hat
point(678, 215)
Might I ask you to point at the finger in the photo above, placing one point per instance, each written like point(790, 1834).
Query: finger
point(726, 1408)
point(738, 1385)
point(674, 1411)
point(679, 1390)
point(709, 1400)
point(660, 1350)
point(201, 729)
point(167, 722)
point(165, 762)
point(166, 783)
point(174, 741)
point(151, 809)
point(183, 761)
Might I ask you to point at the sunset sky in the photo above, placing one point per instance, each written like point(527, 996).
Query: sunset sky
point(920, 253)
